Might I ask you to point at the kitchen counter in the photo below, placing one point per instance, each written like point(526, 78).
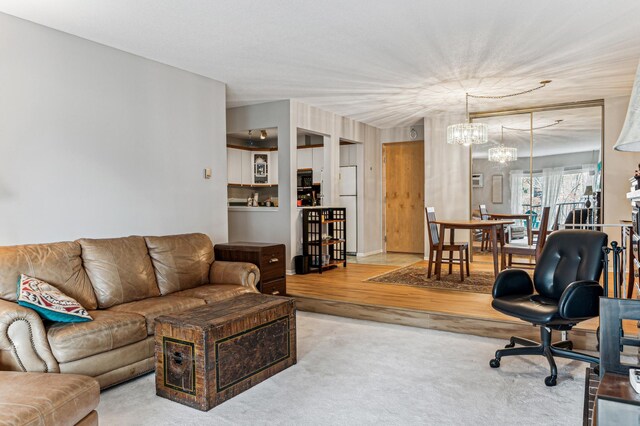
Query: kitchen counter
point(252, 209)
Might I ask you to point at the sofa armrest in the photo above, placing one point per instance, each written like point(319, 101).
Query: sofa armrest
point(23, 340)
point(243, 273)
point(511, 282)
point(580, 300)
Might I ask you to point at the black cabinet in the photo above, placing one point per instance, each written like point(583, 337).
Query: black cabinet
point(324, 237)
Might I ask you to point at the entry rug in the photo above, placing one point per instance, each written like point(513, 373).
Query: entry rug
point(416, 276)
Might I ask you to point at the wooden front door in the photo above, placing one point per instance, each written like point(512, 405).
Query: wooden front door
point(404, 205)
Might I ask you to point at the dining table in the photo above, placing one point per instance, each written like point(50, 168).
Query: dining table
point(513, 216)
point(491, 225)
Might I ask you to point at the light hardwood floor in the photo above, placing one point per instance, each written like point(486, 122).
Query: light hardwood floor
point(344, 292)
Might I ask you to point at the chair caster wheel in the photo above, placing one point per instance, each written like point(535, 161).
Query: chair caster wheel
point(550, 380)
point(509, 345)
point(494, 363)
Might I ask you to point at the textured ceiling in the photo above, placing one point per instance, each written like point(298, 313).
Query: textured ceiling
point(386, 63)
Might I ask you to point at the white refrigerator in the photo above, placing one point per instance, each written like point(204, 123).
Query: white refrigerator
point(349, 200)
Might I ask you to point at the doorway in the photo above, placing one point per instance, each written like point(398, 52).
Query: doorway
point(403, 168)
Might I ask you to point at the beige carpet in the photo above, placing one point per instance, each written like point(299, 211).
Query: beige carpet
point(416, 276)
point(353, 372)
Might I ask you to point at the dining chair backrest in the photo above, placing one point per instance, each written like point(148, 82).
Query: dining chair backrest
point(484, 213)
point(556, 221)
point(434, 237)
point(543, 231)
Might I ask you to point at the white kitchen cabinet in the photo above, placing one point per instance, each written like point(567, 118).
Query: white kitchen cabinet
point(273, 168)
point(247, 168)
point(234, 165)
point(305, 158)
point(317, 164)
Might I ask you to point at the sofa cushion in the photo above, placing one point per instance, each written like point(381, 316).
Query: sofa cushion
point(120, 270)
point(108, 330)
point(49, 302)
point(59, 264)
point(46, 399)
point(214, 292)
point(154, 307)
point(180, 262)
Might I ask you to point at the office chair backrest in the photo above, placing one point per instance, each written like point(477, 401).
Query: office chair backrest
point(568, 256)
point(434, 238)
point(484, 213)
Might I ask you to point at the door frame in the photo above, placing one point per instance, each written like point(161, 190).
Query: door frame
point(383, 160)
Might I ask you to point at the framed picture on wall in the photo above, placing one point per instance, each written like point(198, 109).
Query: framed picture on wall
point(496, 189)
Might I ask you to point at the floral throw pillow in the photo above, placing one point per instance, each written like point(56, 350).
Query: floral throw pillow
point(49, 302)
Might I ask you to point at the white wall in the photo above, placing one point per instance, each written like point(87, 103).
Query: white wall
point(446, 174)
point(258, 225)
point(369, 176)
point(96, 142)
point(402, 134)
point(618, 166)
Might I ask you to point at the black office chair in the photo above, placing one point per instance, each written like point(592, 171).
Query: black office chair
point(566, 279)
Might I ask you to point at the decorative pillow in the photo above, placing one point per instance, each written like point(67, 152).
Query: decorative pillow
point(49, 302)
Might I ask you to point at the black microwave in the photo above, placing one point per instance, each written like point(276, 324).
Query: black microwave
point(305, 178)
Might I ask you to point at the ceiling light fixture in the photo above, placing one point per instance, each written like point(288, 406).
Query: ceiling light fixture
point(528, 129)
point(263, 134)
point(469, 133)
point(629, 139)
point(503, 154)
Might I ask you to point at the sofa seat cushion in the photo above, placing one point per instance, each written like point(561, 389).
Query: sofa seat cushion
point(180, 262)
point(214, 292)
point(120, 270)
point(59, 264)
point(108, 330)
point(46, 398)
point(154, 307)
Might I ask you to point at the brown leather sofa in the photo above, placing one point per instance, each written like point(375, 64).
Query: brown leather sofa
point(48, 399)
point(124, 283)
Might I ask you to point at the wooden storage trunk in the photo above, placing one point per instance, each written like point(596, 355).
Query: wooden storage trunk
point(209, 354)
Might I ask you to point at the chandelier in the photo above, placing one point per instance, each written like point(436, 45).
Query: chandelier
point(503, 154)
point(469, 133)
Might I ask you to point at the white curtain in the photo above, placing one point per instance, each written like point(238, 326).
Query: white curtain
point(588, 172)
point(552, 182)
point(516, 191)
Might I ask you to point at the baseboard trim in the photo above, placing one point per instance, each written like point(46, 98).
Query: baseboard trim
point(369, 253)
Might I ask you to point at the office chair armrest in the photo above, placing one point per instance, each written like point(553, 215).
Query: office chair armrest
point(580, 300)
point(512, 282)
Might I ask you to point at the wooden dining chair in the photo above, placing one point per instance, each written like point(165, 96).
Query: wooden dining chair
point(434, 241)
point(485, 243)
point(530, 250)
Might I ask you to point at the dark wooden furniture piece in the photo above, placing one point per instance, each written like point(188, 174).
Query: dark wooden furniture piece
point(211, 353)
point(616, 404)
point(324, 237)
point(268, 257)
point(461, 248)
point(534, 250)
point(485, 242)
point(492, 225)
point(616, 401)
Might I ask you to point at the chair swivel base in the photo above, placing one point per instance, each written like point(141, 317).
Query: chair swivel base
point(562, 349)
